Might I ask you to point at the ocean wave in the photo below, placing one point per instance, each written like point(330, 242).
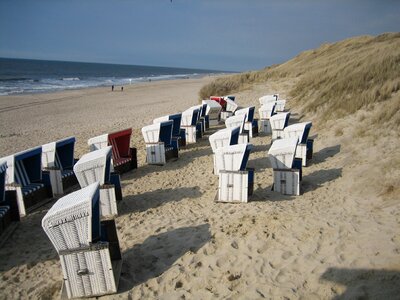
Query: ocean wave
point(71, 79)
point(45, 85)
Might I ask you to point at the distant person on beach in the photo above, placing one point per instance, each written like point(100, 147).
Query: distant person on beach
point(122, 88)
point(112, 88)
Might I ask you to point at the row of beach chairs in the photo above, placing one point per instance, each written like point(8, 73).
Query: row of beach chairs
point(290, 149)
point(81, 224)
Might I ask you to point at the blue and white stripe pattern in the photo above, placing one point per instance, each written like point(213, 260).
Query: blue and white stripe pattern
point(22, 178)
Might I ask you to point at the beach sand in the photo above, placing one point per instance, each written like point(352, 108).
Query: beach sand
point(340, 238)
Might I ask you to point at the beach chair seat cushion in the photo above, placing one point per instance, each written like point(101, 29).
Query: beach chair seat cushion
point(30, 188)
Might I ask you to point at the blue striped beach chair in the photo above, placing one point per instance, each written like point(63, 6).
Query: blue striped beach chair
point(58, 161)
point(177, 139)
point(88, 247)
point(24, 175)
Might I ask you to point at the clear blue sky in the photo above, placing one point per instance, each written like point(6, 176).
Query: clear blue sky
point(208, 34)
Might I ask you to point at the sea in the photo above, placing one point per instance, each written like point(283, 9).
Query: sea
point(19, 76)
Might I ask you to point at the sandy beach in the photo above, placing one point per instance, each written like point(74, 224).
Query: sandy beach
point(339, 239)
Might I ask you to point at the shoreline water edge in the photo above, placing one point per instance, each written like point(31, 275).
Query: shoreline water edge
point(21, 76)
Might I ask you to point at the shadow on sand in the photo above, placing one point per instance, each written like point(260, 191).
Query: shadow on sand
point(316, 179)
point(152, 199)
point(365, 283)
point(323, 154)
point(159, 252)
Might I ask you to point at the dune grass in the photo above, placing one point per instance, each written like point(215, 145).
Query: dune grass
point(335, 80)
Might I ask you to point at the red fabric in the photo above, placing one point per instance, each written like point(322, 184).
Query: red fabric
point(120, 142)
point(220, 100)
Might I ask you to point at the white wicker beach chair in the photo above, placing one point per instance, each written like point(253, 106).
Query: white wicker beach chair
point(96, 167)
point(158, 139)
point(213, 111)
point(236, 181)
point(266, 99)
point(222, 138)
point(278, 123)
point(239, 121)
point(265, 112)
point(286, 168)
point(304, 148)
point(88, 248)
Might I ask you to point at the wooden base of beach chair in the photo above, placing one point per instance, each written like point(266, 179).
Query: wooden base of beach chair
point(287, 181)
point(95, 270)
point(155, 154)
point(235, 187)
point(265, 126)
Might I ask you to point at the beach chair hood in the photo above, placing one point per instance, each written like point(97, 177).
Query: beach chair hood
point(176, 118)
point(230, 105)
point(98, 142)
point(74, 220)
point(266, 111)
point(233, 158)
point(281, 153)
point(189, 117)
point(299, 130)
point(65, 153)
point(213, 108)
point(224, 137)
point(94, 166)
point(158, 132)
point(236, 121)
point(248, 112)
point(279, 121)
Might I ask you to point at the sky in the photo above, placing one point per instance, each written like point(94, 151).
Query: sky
point(228, 35)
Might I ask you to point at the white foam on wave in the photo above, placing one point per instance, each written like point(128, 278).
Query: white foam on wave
point(71, 79)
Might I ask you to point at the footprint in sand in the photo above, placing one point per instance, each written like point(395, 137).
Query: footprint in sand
point(286, 254)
